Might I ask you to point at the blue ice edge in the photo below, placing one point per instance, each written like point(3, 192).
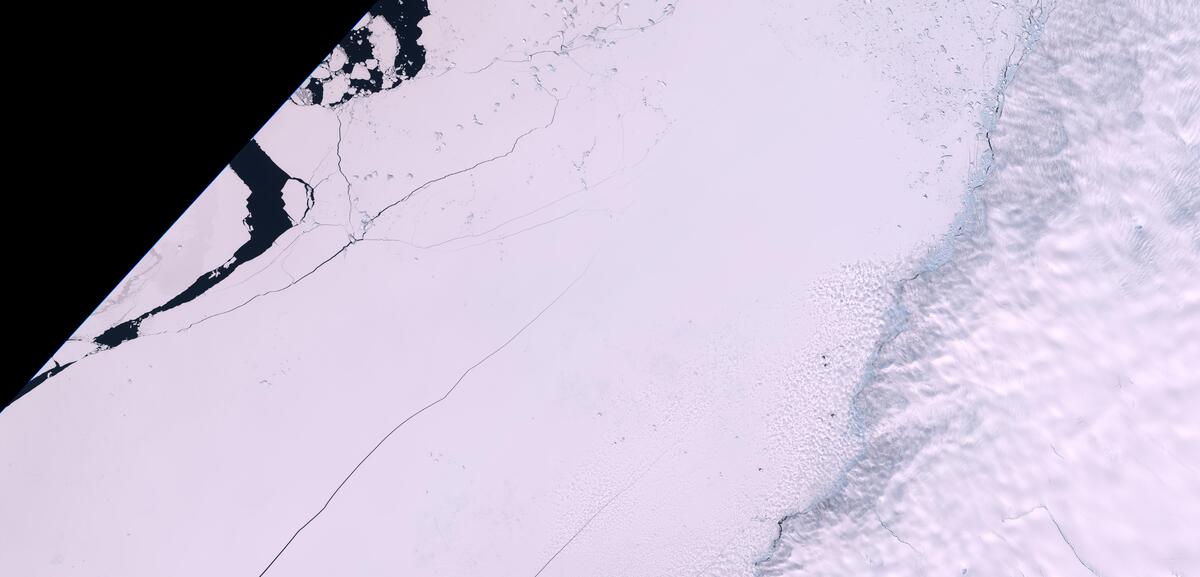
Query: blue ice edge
point(967, 221)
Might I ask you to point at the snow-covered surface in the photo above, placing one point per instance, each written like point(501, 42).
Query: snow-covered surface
point(1033, 410)
point(651, 289)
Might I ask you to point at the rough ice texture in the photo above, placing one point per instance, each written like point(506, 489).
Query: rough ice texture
point(1032, 409)
point(600, 290)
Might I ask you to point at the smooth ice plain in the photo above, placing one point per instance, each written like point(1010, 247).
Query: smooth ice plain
point(651, 289)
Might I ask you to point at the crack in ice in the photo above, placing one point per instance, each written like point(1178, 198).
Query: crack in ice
point(432, 404)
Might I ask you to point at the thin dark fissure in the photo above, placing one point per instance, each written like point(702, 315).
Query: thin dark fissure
point(268, 217)
point(267, 220)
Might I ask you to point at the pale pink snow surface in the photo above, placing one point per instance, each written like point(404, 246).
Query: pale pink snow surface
point(652, 289)
point(1032, 411)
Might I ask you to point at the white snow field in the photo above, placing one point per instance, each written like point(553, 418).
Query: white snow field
point(650, 289)
point(1032, 410)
